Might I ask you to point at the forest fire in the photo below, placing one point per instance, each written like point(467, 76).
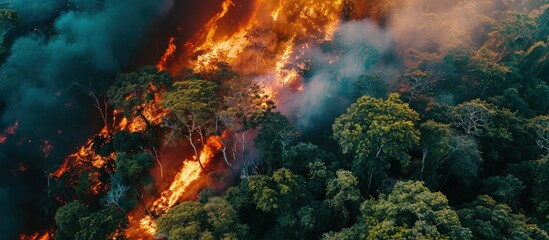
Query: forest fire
point(276, 29)
point(189, 173)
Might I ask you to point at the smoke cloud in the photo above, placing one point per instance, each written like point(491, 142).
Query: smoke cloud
point(90, 44)
point(357, 49)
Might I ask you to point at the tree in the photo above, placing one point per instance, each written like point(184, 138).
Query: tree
point(375, 130)
point(275, 134)
point(243, 102)
point(369, 85)
point(67, 218)
point(488, 219)
point(216, 219)
point(133, 92)
point(540, 125)
point(9, 20)
point(117, 192)
point(411, 211)
point(472, 117)
point(540, 191)
point(464, 159)
point(298, 157)
point(132, 167)
point(343, 196)
point(193, 104)
point(107, 223)
point(487, 72)
point(516, 33)
point(435, 145)
point(504, 189)
point(419, 82)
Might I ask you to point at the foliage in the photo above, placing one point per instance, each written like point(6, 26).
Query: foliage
point(215, 219)
point(132, 92)
point(67, 217)
point(375, 130)
point(106, 223)
point(411, 211)
point(488, 219)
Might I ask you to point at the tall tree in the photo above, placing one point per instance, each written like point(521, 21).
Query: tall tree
point(243, 102)
point(411, 211)
point(488, 219)
point(192, 102)
point(376, 130)
point(275, 134)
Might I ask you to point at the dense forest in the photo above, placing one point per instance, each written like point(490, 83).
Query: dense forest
point(442, 134)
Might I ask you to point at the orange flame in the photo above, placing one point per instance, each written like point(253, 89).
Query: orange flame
point(169, 53)
point(189, 173)
point(86, 153)
point(36, 236)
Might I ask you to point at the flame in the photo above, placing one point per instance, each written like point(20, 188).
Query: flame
point(167, 54)
point(190, 172)
point(36, 236)
point(280, 29)
point(85, 154)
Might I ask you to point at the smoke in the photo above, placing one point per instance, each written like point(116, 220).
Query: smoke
point(90, 44)
point(357, 49)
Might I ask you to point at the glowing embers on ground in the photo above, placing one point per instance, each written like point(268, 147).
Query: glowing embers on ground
point(9, 131)
point(188, 175)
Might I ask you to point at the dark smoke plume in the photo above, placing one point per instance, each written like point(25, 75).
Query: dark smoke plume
point(88, 43)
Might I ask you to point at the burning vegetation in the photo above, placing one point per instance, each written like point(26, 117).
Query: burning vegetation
point(289, 119)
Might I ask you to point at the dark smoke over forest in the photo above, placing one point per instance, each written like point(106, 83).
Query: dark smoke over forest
point(284, 119)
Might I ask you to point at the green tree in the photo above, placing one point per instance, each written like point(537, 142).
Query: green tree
point(435, 146)
point(107, 223)
point(473, 117)
point(216, 219)
point(411, 211)
point(9, 20)
point(298, 157)
point(67, 218)
point(464, 160)
point(275, 134)
point(541, 192)
point(504, 189)
point(133, 92)
point(192, 102)
point(132, 167)
point(343, 196)
point(540, 125)
point(182, 221)
point(488, 219)
point(243, 102)
point(489, 75)
point(369, 85)
point(375, 130)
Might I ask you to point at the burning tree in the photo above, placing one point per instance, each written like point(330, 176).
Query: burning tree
point(192, 103)
point(134, 92)
point(242, 104)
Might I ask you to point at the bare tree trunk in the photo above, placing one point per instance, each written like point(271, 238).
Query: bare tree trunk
point(195, 157)
point(425, 150)
point(243, 145)
point(159, 163)
point(224, 151)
